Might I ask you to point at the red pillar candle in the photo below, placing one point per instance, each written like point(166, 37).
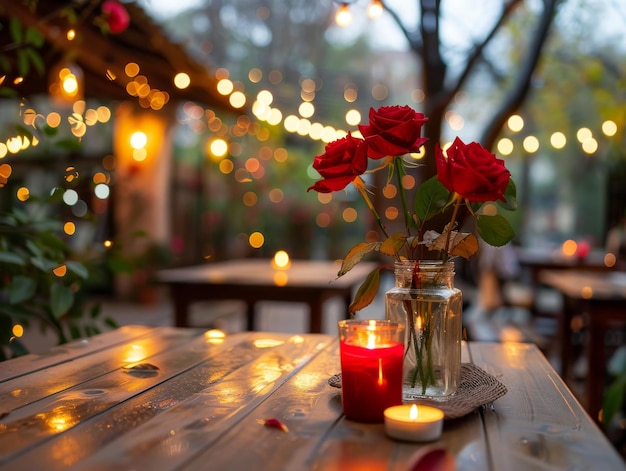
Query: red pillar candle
point(371, 354)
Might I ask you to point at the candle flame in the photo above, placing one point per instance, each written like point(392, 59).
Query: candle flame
point(381, 380)
point(418, 321)
point(413, 412)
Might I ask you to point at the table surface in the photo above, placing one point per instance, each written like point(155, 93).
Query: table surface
point(300, 273)
point(554, 257)
point(584, 284)
point(311, 282)
point(179, 399)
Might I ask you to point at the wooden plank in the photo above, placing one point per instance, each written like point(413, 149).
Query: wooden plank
point(72, 350)
point(62, 375)
point(305, 403)
point(320, 438)
point(538, 424)
point(32, 424)
point(183, 412)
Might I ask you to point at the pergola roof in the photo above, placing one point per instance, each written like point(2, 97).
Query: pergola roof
point(103, 56)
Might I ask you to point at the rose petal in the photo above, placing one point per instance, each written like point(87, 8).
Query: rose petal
point(275, 423)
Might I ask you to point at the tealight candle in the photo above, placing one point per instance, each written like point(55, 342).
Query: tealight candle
point(414, 423)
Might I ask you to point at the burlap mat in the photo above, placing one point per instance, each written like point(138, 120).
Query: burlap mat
point(477, 388)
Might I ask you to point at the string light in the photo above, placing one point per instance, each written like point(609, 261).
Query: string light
point(343, 17)
point(375, 9)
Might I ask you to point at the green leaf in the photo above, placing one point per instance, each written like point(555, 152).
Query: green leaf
point(119, 265)
point(50, 131)
point(74, 331)
point(78, 269)
point(61, 299)
point(12, 258)
point(21, 289)
point(69, 144)
point(4, 63)
point(613, 399)
point(511, 197)
point(95, 310)
point(366, 292)
point(50, 240)
point(8, 92)
point(17, 34)
point(495, 230)
point(355, 255)
point(36, 60)
point(22, 312)
point(22, 62)
point(44, 264)
point(34, 37)
point(111, 322)
point(431, 198)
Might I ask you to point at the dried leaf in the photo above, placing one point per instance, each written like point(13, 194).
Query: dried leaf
point(462, 244)
point(366, 292)
point(392, 245)
point(355, 255)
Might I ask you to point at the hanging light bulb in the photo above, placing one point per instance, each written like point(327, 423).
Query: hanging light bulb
point(343, 17)
point(375, 9)
point(66, 81)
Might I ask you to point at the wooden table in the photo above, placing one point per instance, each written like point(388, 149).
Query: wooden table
point(602, 296)
point(536, 260)
point(539, 259)
point(254, 280)
point(167, 398)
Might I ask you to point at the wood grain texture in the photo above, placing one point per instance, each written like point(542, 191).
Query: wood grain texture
point(199, 403)
point(538, 424)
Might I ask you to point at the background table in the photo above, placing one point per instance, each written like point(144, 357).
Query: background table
point(254, 280)
point(183, 399)
point(533, 261)
point(600, 295)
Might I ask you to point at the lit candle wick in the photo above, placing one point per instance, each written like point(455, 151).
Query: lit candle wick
point(413, 413)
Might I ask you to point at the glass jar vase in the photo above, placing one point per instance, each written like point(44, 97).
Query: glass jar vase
point(425, 299)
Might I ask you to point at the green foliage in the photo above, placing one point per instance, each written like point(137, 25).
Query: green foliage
point(615, 394)
point(23, 55)
point(430, 198)
point(30, 291)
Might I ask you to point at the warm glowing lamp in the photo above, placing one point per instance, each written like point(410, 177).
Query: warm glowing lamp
point(343, 17)
point(66, 82)
point(375, 9)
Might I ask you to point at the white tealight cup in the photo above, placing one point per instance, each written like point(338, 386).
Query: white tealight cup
point(413, 423)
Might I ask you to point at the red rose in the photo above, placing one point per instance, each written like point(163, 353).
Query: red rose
point(472, 171)
point(343, 161)
point(116, 16)
point(393, 130)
